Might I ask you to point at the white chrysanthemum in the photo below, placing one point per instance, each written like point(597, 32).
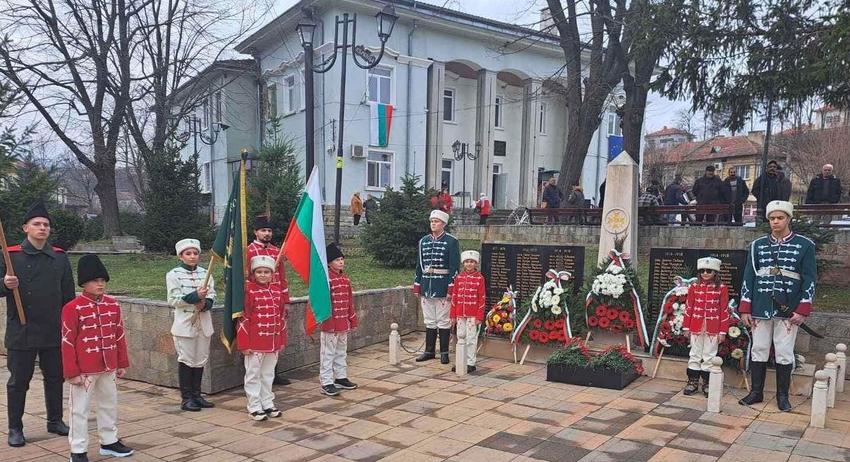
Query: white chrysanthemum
point(556, 310)
point(615, 269)
point(558, 291)
point(734, 332)
point(556, 300)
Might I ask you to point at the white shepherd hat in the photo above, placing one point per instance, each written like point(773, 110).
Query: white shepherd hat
point(262, 261)
point(782, 206)
point(709, 263)
point(440, 215)
point(184, 244)
point(470, 255)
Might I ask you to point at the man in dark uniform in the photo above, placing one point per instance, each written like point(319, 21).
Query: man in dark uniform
point(46, 283)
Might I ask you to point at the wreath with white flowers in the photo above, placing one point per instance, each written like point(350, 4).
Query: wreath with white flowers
point(613, 303)
point(668, 327)
point(548, 318)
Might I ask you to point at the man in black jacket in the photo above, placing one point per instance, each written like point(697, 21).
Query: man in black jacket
point(768, 187)
point(824, 189)
point(45, 282)
point(709, 190)
point(738, 193)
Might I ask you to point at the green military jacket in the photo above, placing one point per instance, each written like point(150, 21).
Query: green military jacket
point(439, 263)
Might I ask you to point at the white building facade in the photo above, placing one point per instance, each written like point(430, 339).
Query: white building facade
point(447, 78)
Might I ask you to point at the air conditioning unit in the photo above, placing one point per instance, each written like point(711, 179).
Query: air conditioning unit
point(358, 151)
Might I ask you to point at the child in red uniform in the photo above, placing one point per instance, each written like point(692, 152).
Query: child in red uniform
point(334, 336)
point(468, 299)
point(707, 320)
point(94, 353)
point(261, 335)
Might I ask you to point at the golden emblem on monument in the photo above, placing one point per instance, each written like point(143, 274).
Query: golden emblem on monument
point(616, 221)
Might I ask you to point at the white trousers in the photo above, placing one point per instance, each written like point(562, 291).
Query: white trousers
point(435, 312)
point(471, 329)
point(332, 365)
point(259, 375)
point(703, 348)
point(192, 351)
point(103, 389)
point(777, 332)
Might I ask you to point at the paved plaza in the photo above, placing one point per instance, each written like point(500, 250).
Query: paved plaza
point(503, 412)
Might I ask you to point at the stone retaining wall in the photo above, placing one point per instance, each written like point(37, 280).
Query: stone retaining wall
point(153, 359)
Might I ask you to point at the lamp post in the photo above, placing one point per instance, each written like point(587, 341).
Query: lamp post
point(362, 57)
point(462, 152)
point(207, 136)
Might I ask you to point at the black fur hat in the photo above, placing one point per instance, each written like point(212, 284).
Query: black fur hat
point(261, 222)
point(36, 210)
point(90, 268)
point(333, 252)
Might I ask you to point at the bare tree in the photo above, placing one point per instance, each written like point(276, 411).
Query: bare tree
point(685, 121)
point(808, 150)
point(78, 181)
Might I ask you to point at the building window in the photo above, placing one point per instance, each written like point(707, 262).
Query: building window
point(379, 167)
point(743, 171)
point(541, 119)
point(500, 148)
point(380, 85)
point(290, 95)
point(218, 107)
point(614, 125)
point(446, 174)
point(205, 114)
point(449, 105)
point(498, 112)
point(271, 103)
point(206, 177)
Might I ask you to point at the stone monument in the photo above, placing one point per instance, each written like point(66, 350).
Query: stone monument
point(619, 215)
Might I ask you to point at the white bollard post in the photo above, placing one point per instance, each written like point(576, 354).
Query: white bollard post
point(715, 385)
point(460, 349)
point(395, 344)
point(840, 350)
point(831, 369)
point(819, 397)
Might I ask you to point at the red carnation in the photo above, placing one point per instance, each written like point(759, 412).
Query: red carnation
point(612, 314)
point(616, 328)
point(601, 310)
point(629, 324)
point(592, 321)
point(549, 325)
point(604, 323)
point(543, 338)
point(624, 316)
point(538, 323)
point(559, 324)
point(666, 327)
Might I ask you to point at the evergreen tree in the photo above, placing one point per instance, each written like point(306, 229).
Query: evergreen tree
point(30, 183)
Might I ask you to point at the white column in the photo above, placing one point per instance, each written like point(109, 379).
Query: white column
point(395, 344)
point(434, 124)
point(527, 167)
point(831, 368)
point(460, 349)
point(840, 350)
point(485, 125)
point(619, 216)
point(819, 399)
point(715, 385)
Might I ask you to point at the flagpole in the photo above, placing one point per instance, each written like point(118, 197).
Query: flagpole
point(209, 273)
point(11, 272)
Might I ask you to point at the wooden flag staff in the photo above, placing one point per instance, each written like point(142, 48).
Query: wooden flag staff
point(10, 271)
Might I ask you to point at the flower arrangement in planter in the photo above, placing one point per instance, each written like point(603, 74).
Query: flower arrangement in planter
point(613, 302)
point(547, 318)
point(735, 348)
point(668, 328)
point(501, 318)
point(615, 367)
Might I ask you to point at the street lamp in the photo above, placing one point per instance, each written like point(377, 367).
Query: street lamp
point(208, 136)
point(362, 57)
point(462, 152)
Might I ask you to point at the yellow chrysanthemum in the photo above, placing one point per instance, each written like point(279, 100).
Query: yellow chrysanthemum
point(507, 327)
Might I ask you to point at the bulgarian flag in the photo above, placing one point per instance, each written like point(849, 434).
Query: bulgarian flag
point(382, 120)
point(305, 249)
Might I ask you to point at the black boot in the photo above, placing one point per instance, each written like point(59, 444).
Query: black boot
point(445, 334)
point(16, 437)
point(758, 370)
point(704, 377)
point(430, 345)
point(53, 403)
point(197, 376)
point(185, 377)
point(783, 384)
point(15, 412)
point(693, 382)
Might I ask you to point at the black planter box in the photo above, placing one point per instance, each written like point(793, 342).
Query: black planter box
point(599, 378)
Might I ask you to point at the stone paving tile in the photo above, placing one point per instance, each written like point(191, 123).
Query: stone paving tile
point(773, 443)
point(653, 430)
point(482, 454)
point(468, 432)
point(741, 453)
point(616, 449)
point(365, 451)
point(607, 421)
point(509, 442)
point(821, 451)
point(580, 438)
point(440, 446)
point(556, 452)
point(408, 455)
point(667, 454)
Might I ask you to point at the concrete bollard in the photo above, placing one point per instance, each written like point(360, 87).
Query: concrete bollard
point(819, 398)
point(395, 344)
point(840, 350)
point(715, 385)
point(831, 369)
point(460, 349)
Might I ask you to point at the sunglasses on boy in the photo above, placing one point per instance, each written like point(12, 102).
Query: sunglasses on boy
point(706, 270)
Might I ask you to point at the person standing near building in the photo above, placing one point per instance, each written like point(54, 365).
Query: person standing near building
point(709, 190)
point(674, 194)
point(371, 208)
point(45, 283)
point(552, 197)
point(767, 187)
point(356, 207)
point(468, 302)
point(776, 297)
point(825, 188)
point(438, 264)
point(483, 207)
point(738, 193)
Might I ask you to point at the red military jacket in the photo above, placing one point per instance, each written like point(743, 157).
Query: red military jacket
point(262, 327)
point(468, 295)
point(707, 309)
point(343, 316)
point(258, 248)
point(92, 336)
